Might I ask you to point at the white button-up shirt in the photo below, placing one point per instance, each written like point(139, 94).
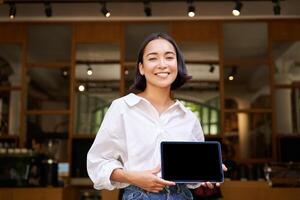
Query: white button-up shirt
point(130, 137)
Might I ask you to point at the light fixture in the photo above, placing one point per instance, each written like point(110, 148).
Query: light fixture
point(48, 9)
point(191, 8)
point(65, 72)
point(81, 88)
point(276, 7)
point(237, 9)
point(211, 68)
point(147, 8)
point(232, 73)
point(12, 10)
point(104, 10)
point(89, 70)
point(126, 72)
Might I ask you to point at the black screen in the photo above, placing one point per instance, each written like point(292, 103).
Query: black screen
point(191, 162)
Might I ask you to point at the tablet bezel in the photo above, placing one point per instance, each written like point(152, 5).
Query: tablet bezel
point(217, 144)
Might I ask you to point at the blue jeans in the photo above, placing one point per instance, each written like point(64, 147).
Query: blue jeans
point(177, 192)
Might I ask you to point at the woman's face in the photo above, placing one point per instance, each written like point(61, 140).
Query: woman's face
point(159, 63)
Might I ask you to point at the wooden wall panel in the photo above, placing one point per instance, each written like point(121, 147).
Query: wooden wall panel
point(98, 32)
point(12, 32)
point(195, 31)
point(288, 30)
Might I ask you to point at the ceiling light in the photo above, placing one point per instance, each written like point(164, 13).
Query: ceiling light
point(191, 8)
point(211, 68)
point(65, 72)
point(237, 9)
point(81, 88)
point(12, 10)
point(89, 70)
point(48, 9)
point(104, 10)
point(232, 73)
point(147, 8)
point(276, 7)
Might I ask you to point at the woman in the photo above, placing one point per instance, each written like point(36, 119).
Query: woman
point(126, 153)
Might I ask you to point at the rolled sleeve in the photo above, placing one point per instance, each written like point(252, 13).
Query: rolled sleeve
point(108, 151)
point(101, 176)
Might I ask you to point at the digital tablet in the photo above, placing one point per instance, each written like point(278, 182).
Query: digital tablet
point(191, 162)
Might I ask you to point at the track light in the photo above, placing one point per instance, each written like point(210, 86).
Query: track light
point(48, 9)
point(104, 10)
point(211, 68)
point(89, 70)
point(147, 8)
point(232, 73)
point(12, 10)
point(64, 72)
point(191, 8)
point(276, 7)
point(237, 9)
point(81, 88)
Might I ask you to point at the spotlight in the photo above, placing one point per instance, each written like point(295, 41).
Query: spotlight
point(147, 8)
point(211, 68)
point(89, 70)
point(48, 9)
point(191, 9)
point(12, 10)
point(65, 72)
point(81, 88)
point(276, 7)
point(104, 10)
point(237, 9)
point(232, 73)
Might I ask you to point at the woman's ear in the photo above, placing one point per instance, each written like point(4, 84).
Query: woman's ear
point(141, 69)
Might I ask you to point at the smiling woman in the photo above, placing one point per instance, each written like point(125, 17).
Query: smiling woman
point(127, 154)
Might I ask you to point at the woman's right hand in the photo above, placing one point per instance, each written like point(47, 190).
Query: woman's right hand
point(148, 180)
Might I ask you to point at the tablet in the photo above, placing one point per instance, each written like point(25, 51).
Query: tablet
point(191, 162)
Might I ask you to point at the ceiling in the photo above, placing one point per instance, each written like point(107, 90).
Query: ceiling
point(123, 10)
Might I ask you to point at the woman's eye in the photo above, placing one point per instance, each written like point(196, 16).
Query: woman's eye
point(152, 59)
point(170, 58)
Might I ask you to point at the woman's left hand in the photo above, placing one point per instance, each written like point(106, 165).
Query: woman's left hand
point(211, 185)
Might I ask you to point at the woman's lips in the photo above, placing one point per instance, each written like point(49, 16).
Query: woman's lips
point(162, 74)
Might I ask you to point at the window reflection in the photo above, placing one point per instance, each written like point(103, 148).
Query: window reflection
point(208, 116)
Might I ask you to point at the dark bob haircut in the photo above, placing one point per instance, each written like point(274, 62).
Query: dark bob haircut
point(140, 80)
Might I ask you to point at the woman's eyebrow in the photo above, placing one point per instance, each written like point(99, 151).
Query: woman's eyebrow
point(155, 53)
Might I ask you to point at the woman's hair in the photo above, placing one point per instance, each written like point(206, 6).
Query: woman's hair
point(140, 80)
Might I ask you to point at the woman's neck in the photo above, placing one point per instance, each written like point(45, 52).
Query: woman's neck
point(159, 97)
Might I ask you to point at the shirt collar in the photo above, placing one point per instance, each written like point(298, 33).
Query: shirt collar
point(133, 99)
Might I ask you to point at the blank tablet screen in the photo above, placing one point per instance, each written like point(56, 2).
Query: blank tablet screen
point(191, 162)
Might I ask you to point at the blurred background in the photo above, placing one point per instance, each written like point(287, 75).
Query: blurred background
point(63, 62)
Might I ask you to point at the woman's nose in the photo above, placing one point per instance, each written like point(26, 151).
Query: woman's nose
point(162, 63)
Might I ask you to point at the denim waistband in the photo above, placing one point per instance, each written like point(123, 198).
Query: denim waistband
point(178, 188)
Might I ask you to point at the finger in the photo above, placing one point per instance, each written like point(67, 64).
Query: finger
point(155, 170)
point(218, 184)
point(154, 191)
point(224, 168)
point(159, 184)
point(158, 188)
point(210, 185)
point(165, 182)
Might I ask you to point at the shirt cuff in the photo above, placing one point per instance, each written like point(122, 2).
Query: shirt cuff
point(104, 181)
